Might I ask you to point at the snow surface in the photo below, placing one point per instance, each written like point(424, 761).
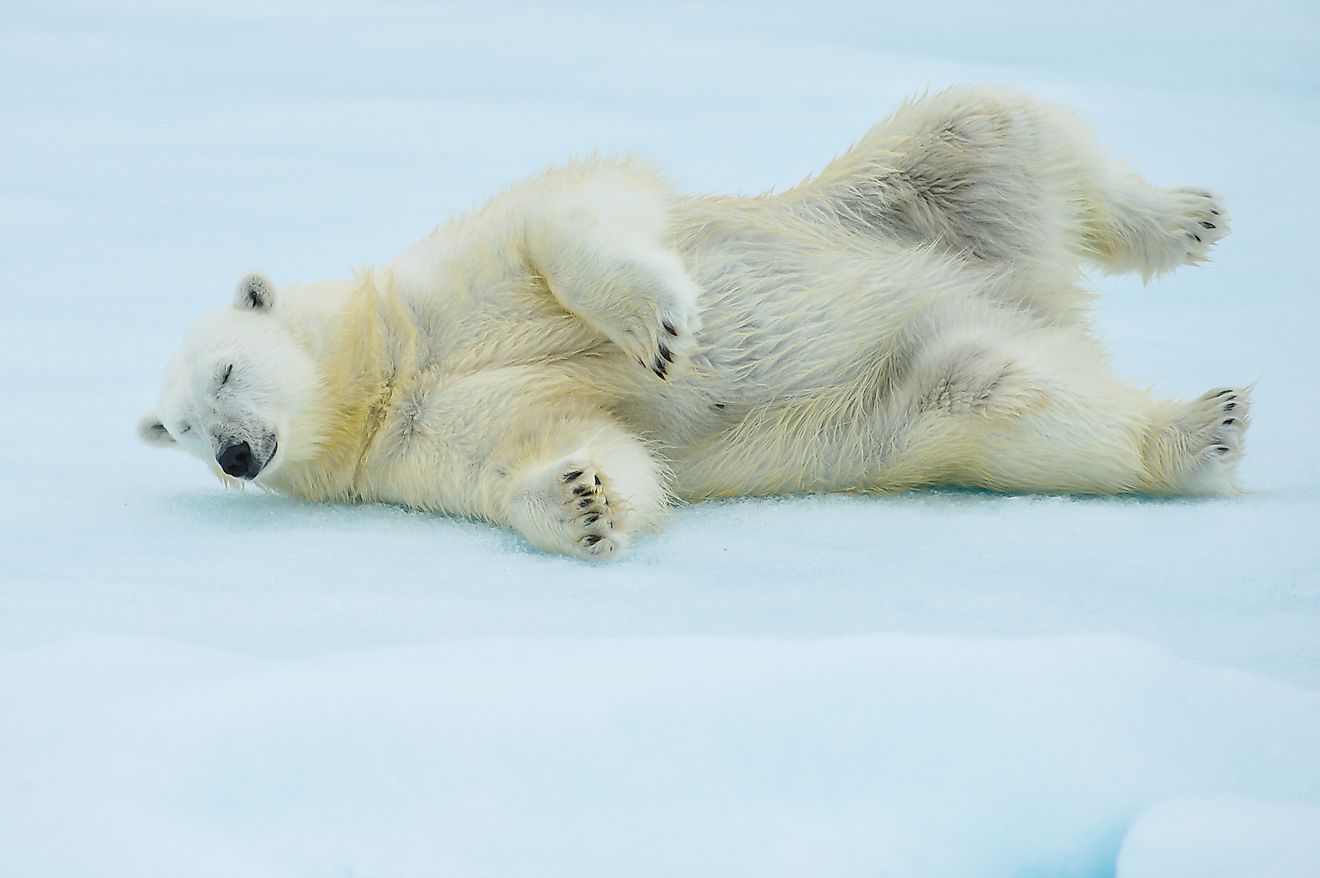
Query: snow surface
point(1222, 837)
point(200, 682)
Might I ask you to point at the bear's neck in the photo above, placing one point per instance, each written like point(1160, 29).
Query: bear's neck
point(358, 361)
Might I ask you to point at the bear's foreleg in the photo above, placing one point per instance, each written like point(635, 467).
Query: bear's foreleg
point(602, 246)
point(588, 501)
point(638, 296)
point(527, 447)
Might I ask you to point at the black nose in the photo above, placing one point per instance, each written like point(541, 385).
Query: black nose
point(237, 461)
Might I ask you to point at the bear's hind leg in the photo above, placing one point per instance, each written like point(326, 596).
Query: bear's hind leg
point(1136, 227)
point(971, 377)
point(1040, 413)
point(1194, 447)
point(957, 418)
point(1001, 177)
point(1091, 434)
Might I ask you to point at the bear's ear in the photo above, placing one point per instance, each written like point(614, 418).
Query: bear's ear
point(255, 292)
point(153, 432)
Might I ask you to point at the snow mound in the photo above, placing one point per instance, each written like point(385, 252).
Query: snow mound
point(903, 756)
point(1223, 837)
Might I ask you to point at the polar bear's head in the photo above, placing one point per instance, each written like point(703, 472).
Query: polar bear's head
point(236, 389)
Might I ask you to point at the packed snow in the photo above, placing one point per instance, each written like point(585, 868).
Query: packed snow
point(206, 682)
point(1222, 837)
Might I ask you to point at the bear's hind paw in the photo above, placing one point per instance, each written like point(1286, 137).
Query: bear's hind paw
point(1211, 432)
point(1202, 220)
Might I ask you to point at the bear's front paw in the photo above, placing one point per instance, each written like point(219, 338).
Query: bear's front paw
point(662, 339)
point(586, 512)
point(566, 508)
point(1202, 222)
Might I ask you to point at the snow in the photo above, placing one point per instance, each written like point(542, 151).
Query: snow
point(1222, 837)
point(947, 683)
point(860, 755)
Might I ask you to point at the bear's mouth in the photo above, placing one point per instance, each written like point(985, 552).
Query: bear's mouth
point(271, 457)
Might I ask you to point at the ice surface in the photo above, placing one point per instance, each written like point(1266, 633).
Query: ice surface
point(1222, 837)
point(649, 756)
point(199, 682)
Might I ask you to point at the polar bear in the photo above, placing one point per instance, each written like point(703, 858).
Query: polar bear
point(592, 346)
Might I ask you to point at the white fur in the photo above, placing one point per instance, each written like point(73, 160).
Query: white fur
point(591, 344)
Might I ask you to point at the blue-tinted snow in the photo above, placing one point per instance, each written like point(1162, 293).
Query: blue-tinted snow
point(1222, 837)
point(205, 682)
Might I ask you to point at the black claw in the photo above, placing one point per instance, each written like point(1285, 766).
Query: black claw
point(669, 328)
point(1215, 212)
point(581, 489)
point(1206, 225)
point(1229, 407)
point(568, 477)
point(597, 480)
point(659, 368)
point(666, 353)
point(584, 503)
point(1229, 422)
point(1197, 237)
point(591, 540)
point(1221, 393)
point(591, 519)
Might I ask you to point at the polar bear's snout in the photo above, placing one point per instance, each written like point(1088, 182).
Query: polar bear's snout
point(237, 459)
